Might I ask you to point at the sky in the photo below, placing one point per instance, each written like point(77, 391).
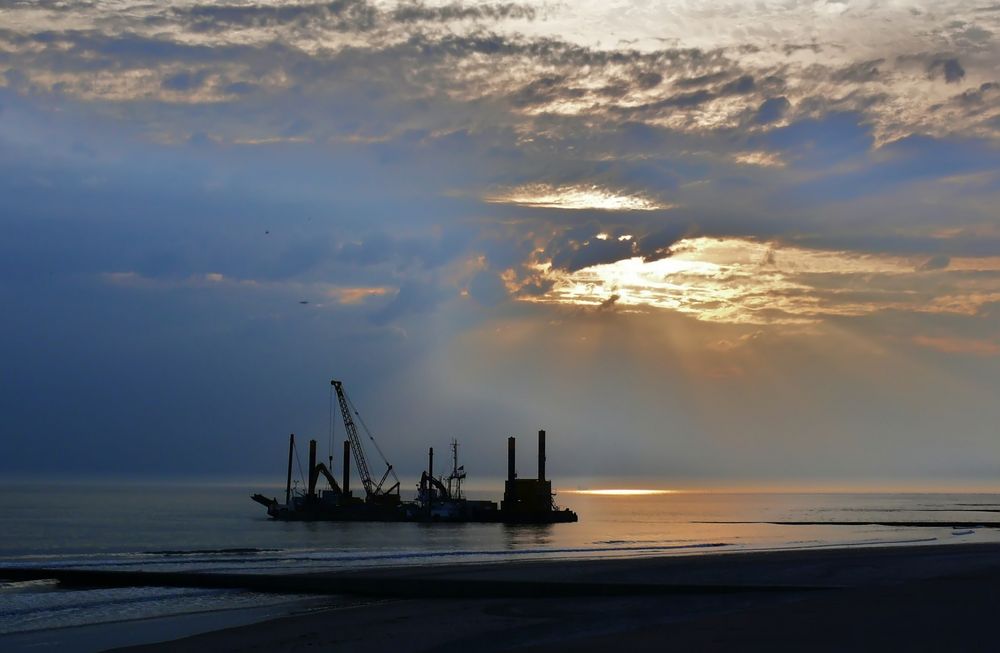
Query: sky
point(702, 244)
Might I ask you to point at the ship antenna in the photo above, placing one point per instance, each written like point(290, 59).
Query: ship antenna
point(456, 475)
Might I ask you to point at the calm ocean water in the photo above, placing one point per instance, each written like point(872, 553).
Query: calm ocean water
point(220, 529)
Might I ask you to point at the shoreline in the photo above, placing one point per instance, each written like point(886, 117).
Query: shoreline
point(479, 579)
point(644, 600)
point(140, 631)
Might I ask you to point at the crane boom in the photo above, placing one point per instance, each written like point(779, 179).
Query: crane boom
point(372, 489)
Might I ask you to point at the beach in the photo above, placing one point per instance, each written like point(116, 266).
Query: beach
point(935, 597)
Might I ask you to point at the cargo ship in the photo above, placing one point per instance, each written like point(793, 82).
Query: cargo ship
point(438, 499)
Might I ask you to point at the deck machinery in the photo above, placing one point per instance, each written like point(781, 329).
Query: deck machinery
point(525, 500)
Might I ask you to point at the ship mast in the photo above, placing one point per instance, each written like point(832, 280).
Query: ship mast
point(457, 473)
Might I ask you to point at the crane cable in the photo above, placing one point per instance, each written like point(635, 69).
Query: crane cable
point(371, 437)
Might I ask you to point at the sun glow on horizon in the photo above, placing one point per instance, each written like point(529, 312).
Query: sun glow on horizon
point(622, 492)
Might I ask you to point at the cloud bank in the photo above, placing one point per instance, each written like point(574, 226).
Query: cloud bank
point(403, 189)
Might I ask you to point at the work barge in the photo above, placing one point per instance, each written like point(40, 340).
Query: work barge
point(438, 498)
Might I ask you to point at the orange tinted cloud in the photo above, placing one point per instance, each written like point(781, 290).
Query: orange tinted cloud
point(948, 345)
point(357, 295)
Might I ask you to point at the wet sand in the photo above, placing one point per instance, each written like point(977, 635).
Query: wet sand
point(900, 598)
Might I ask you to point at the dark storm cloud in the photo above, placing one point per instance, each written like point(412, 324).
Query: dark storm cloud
point(979, 98)
point(343, 15)
point(714, 87)
point(860, 72)
point(681, 100)
point(419, 11)
point(648, 80)
point(572, 255)
point(740, 86)
point(837, 141)
point(83, 51)
point(656, 244)
point(129, 49)
point(416, 104)
point(404, 60)
point(544, 91)
point(772, 109)
point(577, 247)
point(937, 65)
point(239, 70)
point(701, 80)
point(792, 48)
point(950, 68)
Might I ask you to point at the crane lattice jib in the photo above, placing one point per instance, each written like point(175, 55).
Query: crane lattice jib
point(352, 434)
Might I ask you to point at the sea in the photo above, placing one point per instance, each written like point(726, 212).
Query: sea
point(217, 528)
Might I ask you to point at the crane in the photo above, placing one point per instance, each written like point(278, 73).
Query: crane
point(374, 492)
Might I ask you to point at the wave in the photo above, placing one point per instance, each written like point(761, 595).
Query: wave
point(74, 600)
point(36, 585)
point(185, 552)
point(279, 563)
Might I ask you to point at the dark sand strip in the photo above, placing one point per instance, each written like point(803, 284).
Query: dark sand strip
point(379, 586)
point(904, 598)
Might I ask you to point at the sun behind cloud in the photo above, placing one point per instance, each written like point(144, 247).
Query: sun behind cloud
point(742, 281)
point(576, 197)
